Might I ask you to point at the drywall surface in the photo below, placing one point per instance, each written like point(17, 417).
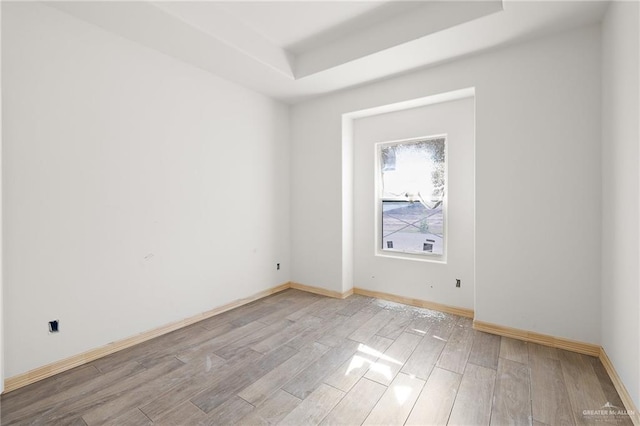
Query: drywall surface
point(538, 180)
point(621, 192)
point(138, 190)
point(316, 200)
point(417, 278)
point(1, 239)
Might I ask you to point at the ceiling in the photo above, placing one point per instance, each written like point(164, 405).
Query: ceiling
point(315, 22)
point(293, 50)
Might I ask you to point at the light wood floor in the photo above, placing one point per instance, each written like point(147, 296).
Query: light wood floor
point(299, 359)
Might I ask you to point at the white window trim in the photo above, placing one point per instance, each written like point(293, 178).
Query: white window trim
point(399, 254)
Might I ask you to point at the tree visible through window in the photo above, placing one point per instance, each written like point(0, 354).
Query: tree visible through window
point(412, 193)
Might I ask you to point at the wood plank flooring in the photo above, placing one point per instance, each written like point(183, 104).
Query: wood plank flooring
point(296, 358)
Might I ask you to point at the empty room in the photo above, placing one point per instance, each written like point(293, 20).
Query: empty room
point(320, 212)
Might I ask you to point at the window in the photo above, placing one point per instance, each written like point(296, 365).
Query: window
point(411, 195)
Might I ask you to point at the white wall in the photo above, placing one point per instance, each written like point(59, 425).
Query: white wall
point(538, 178)
point(1, 227)
point(417, 278)
point(138, 190)
point(316, 200)
point(621, 192)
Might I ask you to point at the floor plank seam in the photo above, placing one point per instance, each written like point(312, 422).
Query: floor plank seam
point(143, 413)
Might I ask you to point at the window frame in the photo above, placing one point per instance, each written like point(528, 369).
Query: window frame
point(379, 199)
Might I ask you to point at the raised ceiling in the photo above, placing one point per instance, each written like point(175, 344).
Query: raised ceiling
point(315, 23)
point(291, 50)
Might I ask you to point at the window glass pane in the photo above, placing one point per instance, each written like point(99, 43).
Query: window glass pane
point(411, 227)
point(412, 193)
point(414, 169)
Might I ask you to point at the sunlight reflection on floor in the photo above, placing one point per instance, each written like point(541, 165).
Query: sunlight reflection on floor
point(356, 362)
point(380, 365)
point(370, 351)
point(413, 310)
point(402, 393)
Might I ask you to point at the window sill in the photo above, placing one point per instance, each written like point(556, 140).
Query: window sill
point(442, 260)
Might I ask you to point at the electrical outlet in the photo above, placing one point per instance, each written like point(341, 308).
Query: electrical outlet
point(457, 283)
point(277, 266)
point(54, 326)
